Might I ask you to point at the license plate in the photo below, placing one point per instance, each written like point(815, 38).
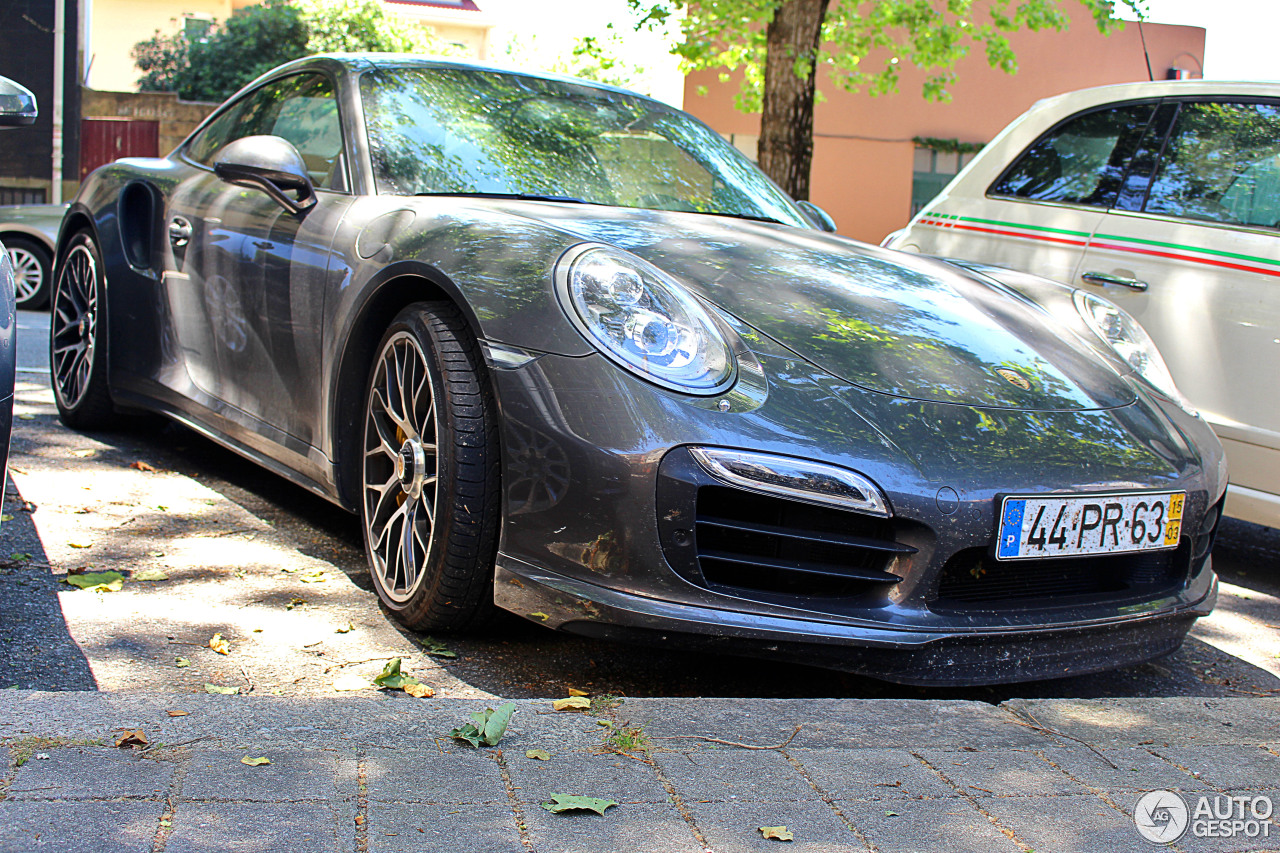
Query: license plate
point(1039, 526)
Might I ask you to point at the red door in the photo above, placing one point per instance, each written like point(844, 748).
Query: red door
point(103, 140)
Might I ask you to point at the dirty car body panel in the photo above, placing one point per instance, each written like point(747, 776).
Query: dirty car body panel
point(829, 489)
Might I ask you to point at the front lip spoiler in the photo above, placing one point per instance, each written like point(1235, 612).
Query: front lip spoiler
point(903, 655)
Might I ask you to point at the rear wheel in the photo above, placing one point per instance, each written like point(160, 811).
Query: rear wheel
point(430, 502)
point(77, 339)
point(32, 271)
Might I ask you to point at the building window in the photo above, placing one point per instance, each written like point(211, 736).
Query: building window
point(22, 195)
point(934, 168)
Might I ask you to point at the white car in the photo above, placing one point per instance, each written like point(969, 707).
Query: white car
point(1165, 199)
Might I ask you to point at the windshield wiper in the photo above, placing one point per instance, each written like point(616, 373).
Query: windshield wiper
point(520, 196)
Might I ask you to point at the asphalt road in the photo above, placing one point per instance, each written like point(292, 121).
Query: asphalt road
point(280, 575)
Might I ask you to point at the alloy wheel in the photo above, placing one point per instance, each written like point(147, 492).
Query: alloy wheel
point(401, 467)
point(75, 325)
point(28, 274)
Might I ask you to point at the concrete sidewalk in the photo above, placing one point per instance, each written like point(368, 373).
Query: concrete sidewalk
point(380, 774)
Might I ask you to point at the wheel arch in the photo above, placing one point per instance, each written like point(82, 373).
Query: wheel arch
point(387, 294)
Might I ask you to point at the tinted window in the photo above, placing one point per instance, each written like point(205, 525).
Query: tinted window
point(1082, 161)
point(301, 109)
point(1222, 164)
point(450, 130)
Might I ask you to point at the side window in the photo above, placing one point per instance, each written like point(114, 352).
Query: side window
point(1222, 164)
point(301, 109)
point(1082, 161)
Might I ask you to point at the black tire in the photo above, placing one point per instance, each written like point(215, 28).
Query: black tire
point(32, 271)
point(78, 339)
point(430, 499)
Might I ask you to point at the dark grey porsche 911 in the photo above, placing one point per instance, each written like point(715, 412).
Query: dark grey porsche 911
point(570, 354)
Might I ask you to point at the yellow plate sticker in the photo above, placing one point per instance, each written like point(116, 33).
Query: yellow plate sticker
point(1173, 528)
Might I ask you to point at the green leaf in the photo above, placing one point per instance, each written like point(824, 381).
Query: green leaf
point(568, 803)
point(181, 663)
point(97, 581)
point(487, 726)
point(392, 678)
point(434, 647)
point(255, 762)
point(215, 689)
point(538, 754)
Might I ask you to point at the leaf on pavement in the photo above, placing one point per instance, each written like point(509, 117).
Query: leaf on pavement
point(142, 466)
point(569, 802)
point(213, 688)
point(419, 691)
point(432, 646)
point(295, 602)
point(573, 691)
point(85, 454)
point(97, 581)
point(176, 713)
point(392, 677)
point(181, 663)
point(255, 762)
point(539, 754)
point(778, 833)
point(345, 629)
point(313, 576)
point(219, 644)
point(132, 737)
point(538, 614)
point(6, 516)
point(573, 703)
point(149, 575)
point(487, 727)
point(351, 681)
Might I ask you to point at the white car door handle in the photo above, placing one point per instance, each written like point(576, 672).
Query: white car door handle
point(1121, 281)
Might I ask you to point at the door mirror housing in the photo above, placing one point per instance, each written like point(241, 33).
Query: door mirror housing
point(17, 104)
point(818, 216)
point(270, 164)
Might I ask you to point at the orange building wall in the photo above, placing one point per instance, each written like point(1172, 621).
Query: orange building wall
point(863, 152)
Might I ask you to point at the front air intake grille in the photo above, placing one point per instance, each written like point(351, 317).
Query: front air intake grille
point(973, 577)
point(746, 541)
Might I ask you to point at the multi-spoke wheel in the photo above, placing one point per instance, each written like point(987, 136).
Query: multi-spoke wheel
point(430, 472)
point(77, 341)
point(32, 270)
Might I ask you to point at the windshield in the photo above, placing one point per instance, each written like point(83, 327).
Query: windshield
point(469, 131)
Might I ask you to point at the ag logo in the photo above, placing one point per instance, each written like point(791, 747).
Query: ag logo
point(1014, 378)
point(1161, 817)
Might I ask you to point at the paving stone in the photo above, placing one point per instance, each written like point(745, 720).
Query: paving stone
point(623, 779)
point(63, 827)
point(628, 828)
point(431, 827)
point(1065, 824)
point(1178, 720)
point(291, 775)
point(735, 827)
point(1001, 772)
point(1228, 766)
point(91, 772)
point(713, 775)
point(927, 826)
point(262, 828)
point(429, 776)
point(871, 774)
point(1136, 769)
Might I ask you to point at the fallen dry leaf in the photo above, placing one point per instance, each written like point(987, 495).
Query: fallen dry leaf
point(539, 754)
point(573, 691)
point(779, 833)
point(255, 762)
point(219, 645)
point(419, 691)
point(176, 713)
point(80, 544)
point(573, 703)
point(84, 454)
point(132, 737)
point(142, 466)
point(214, 688)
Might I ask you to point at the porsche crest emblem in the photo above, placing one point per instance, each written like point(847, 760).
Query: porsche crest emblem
point(1015, 378)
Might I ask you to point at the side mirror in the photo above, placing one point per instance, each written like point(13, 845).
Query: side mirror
point(818, 216)
point(17, 104)
point(270, 164)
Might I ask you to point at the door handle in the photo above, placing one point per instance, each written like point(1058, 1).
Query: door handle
point(179, 232)
point(1118, 280)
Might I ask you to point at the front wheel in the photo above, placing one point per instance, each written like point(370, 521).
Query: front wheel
point(431, 502)
point(77, 339)
point(32, 271)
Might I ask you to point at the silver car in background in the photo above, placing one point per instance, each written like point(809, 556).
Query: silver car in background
point(30, 232)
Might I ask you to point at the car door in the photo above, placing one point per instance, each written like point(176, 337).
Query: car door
point(1195, 257)
point(245, 286)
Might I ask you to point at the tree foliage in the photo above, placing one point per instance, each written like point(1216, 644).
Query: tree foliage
point(257, 38)
point(862, 44)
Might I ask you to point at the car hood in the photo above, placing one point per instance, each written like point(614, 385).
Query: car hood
point(893, 323)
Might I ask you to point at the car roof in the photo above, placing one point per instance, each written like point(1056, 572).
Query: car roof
point(1158, 89)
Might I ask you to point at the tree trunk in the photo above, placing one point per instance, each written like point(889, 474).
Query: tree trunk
point(786, 122)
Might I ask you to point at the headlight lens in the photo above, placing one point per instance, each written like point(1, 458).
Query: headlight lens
point(1130, 341)
point(642, 319)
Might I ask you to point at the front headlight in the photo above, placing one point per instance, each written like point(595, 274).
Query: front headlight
point(1120, 331)
point(642, 319)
